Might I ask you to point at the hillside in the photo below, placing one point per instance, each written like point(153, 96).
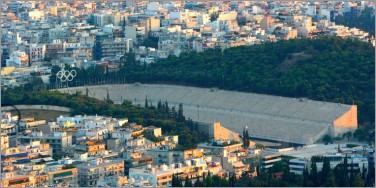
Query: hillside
point(328, 69)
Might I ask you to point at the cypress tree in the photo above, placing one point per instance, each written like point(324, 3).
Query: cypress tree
point(364, 173)
point(314, 175)
point(146, 102)
point(246, 139)
point(159, 106)
point(371, 174)
point(325, 170)
point(352, 173)
point(305, 177)
point(345, 172)
point(181, 117)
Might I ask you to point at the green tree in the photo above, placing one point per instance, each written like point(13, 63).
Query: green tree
point(209, 181)
point(327, 138)
point(358, 181)
point(330, 180)
point(97, 51)
point(146, 102)
point(325, 170)
point(314, 175)
point(187, 182)
point(348, 135)
point(180, 117)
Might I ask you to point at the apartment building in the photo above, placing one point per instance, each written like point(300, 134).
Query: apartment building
point(19, 181)
point(58, 140)
point(18, 59)
point(63, 176)
point(298, 165)
point(89, 174)
point(268, 159)
point(37, 52)
point(162, 176)
point(136, 160)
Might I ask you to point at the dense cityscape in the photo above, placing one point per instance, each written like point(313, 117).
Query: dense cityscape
point(187, 93)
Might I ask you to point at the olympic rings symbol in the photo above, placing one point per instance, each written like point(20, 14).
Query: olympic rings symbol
point(65, 75)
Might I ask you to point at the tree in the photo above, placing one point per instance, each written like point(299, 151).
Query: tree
point(146, 102)
point(330, 180)
point(364, 172)
point(209, 181)
point(327, 138)
point(197, 183)
point(305, 177)
point(371, 174)
point(159, 106)
point(97, 51)
point(348, 135)
point(187, 182)
point(181, 117)
point(246, 139)
point(352, 173)
point(232, 180)
point(259, 146)
point(314, 175)
point(325, 170)
point(358, 181)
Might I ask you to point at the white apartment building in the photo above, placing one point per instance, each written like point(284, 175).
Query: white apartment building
point(17, 59)
point(37, 52)
point(36, 15)
point(298, 165)
point(162, 176)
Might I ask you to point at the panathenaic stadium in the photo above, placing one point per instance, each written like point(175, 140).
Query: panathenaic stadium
point(274, 118)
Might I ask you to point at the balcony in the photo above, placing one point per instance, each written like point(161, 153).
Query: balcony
point(162, 156)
